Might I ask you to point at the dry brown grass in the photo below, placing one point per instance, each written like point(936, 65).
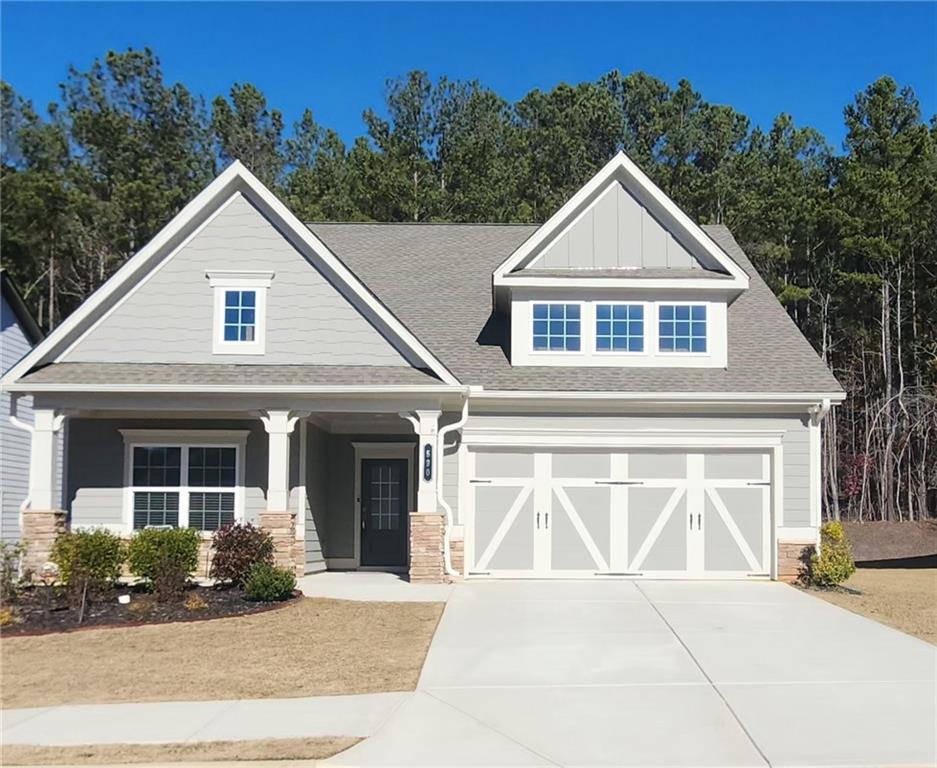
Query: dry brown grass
point(903, 598)
point(208, 751)
point(311, 648)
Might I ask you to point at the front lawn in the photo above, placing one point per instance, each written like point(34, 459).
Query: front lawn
point(903, 598)
point(210, 751)
point(311, 647)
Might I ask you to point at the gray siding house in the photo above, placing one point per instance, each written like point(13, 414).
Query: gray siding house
point(18, 334)
point(613, 393)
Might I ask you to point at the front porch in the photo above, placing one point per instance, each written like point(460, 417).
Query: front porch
point(340, 484)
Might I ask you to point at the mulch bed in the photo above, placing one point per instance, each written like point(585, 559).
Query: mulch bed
point(43, 610)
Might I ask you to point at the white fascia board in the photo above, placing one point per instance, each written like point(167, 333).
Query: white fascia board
point(767, 398)
point(239, 388)
point(518, 280)
point(620, 167)
point(234, 178)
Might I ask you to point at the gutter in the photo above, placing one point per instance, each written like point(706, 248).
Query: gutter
point(389, 389)
point(440, 464)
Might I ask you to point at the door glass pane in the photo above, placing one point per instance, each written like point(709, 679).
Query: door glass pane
point(384, 503)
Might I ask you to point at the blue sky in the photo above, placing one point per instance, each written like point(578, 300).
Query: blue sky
point(808, 59)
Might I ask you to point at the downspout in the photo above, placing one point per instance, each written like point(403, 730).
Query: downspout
point(440, 463)
point(817, 413)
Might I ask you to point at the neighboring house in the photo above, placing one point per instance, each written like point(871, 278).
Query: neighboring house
point(18, 334)
point(613, 393)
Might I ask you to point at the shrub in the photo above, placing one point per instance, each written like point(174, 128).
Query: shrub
point(195, 602)
point(237, 549)
point(164, 558)
point(11, 559)
point(8, 617)
point(267, 583)
point(93, 555)
point(834, 563)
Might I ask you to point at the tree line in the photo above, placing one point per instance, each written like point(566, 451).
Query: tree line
point(846, 239)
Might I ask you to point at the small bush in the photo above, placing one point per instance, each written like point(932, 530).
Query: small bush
point(11, 559)
point(237, 549)
point(164, 558)
point(94, 555)
point(8, 617)
point(267, 583)
point(834, 564)
point(195, 602)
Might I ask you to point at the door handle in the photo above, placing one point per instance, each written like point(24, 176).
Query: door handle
point(699, 521)
point(546, 519)
point(362, 523)
point(691, 521)
point(538, 520)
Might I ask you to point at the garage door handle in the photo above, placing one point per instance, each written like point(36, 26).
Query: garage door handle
point(619, 482)
point(479, 481)
point(691, 521)
point(759, 482)
point(699, 521)
point(538, 520)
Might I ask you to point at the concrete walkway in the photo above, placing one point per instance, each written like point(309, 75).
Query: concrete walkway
point(190, 721)
point(371, 586)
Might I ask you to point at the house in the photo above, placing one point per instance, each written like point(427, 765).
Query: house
point(18, 334)
point(613, 393)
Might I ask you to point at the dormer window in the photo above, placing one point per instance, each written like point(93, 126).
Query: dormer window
point(557, 327)
point(682, 327)
point(240, 311)
point(619, 327)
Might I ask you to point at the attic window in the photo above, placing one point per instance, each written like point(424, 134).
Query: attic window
point(682, 327)
point(557, 327)
point(240, 300)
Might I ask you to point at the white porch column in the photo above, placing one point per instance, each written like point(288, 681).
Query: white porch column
point(43, 459)
point(278, 520)
point(41, 519)
point(426, 425)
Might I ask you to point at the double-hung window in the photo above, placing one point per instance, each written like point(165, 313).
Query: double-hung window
point(184, 485)
point(682, 327)
point(619, 327)
point(557, 327)
point(239, 325)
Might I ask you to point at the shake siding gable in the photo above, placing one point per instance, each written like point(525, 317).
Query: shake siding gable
point(169, 317)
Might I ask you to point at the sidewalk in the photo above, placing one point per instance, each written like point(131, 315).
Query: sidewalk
point(191, 721)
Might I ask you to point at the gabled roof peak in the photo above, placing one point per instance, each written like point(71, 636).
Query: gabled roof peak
point(695, 246)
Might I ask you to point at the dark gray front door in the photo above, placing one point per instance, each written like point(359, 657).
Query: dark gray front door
point(384, 513)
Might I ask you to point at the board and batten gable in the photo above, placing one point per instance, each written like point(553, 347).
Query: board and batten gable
point(168, 317)
point(615, 232)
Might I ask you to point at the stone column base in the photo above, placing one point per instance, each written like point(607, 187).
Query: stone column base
point(282, 528)
point(457, 550)
point(794, 560)
point(39, 529)
point(426, 547)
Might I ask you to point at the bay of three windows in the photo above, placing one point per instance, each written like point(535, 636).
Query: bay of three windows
point(619, 327)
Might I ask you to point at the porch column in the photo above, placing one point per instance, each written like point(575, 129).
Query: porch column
point(277, 519)
point(427, 523)
point(42, 520)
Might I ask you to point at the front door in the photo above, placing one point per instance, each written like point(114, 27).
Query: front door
point(384, 513)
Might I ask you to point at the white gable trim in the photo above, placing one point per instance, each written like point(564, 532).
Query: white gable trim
point(235, 178)
point(619, 169)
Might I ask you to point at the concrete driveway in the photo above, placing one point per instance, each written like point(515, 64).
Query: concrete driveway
point(660, 674)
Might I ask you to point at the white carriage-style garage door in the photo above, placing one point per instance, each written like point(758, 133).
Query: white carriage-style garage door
point(583, 513)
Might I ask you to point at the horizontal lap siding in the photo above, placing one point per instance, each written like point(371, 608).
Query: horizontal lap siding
point(450, 481)
point(95, 476)
point(316, 497)
point(795, 441)
point(169, 319)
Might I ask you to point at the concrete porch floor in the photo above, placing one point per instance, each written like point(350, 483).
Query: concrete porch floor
point(376, 586)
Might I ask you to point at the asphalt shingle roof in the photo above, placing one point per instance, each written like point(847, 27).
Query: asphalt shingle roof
point(229, 375)
point(436, 278)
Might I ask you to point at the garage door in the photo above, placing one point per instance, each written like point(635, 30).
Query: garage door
point(640, 513)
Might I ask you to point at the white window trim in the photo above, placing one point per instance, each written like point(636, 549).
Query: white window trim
point(582, 334)
point(682, 353)
point(257, 281)
point(523, 353)
point(184, 439)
